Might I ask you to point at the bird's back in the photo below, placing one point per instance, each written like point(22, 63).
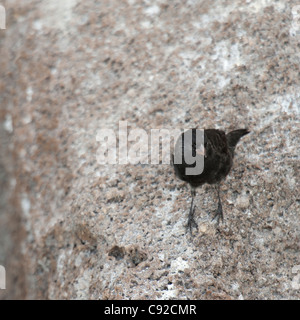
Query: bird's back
point(218, 156)
point(218, 159)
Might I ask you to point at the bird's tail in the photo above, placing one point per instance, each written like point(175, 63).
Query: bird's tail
point(234, 136)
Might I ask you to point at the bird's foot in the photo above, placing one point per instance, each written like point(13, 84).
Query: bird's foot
point(218, 214)
point(191, 221)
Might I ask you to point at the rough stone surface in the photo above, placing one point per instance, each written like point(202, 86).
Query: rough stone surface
point(72, 228)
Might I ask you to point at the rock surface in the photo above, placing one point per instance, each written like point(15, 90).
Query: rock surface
point(72, 228)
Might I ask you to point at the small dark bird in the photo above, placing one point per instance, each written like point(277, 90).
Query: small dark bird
point(218, 153)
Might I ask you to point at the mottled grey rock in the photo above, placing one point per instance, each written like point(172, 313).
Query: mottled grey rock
point(71, 228)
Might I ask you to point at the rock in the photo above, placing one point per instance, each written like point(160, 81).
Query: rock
point(242, 202)
point(73, 227)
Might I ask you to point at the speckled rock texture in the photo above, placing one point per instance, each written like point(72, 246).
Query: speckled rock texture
point(72, 228)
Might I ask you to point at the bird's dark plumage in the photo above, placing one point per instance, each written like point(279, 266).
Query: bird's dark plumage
point(218, 158)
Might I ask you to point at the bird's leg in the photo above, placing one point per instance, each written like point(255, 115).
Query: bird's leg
point(191, 221)
point(219, 212)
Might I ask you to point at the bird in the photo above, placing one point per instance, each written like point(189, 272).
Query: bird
point(217, 151)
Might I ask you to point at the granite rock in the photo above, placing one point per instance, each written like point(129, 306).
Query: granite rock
point(73, 228)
